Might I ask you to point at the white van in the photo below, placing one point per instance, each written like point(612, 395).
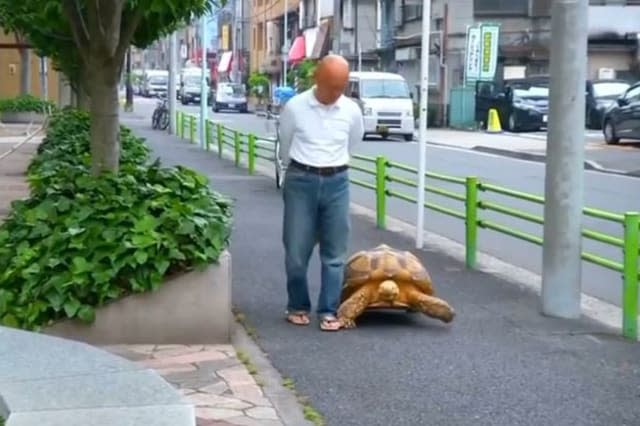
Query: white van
point(156, 83)
point(231, 96)
point(386, 103)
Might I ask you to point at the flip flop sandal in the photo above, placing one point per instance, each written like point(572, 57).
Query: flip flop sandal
point(329, 323)
point(298, 318)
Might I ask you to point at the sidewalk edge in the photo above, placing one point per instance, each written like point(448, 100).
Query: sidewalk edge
point(284, 400)
point(595, 309)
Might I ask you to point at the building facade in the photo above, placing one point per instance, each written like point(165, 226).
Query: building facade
point(11, 70)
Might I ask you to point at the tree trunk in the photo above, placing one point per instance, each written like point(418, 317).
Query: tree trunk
point(104, 108)
point(25, 72)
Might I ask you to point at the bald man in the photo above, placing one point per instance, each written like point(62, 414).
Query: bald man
point(318, 129)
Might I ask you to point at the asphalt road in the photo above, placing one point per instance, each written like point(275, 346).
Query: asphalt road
point(604, 191)
point(499, 364)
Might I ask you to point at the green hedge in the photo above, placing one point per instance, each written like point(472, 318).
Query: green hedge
point(26, 103)
point(81, 241)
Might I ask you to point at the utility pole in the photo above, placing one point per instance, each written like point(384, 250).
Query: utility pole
point(44, 80)
point(285, 45)
point(173, 71)
point(564, 186)
point(337, 24)
point(234, 42)
point(204, 90)
point(422, 144)
point(128, 103)
point(356, 40)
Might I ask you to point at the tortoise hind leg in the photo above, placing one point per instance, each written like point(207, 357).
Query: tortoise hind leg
point(431, 306)
point(351, 308)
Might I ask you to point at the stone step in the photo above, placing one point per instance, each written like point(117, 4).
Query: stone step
point(46, 380)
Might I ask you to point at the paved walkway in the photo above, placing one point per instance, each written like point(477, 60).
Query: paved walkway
point(212, 377)
point(499, 363)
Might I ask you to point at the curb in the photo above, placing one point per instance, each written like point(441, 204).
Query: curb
point(539, 158)
point(284, 400)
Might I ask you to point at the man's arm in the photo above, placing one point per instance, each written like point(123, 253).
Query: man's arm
point(286, 128)
point(356, 133)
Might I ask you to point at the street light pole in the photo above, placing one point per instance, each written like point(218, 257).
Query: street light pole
point(564, 186)
point(422, 144)
point(173, 70)
point(285, 46)
point(203, 81)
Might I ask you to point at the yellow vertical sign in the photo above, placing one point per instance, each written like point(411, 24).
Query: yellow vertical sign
point(225, 37)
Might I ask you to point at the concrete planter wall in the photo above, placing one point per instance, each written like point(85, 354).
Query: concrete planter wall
point(10, 117)
point(194, 308)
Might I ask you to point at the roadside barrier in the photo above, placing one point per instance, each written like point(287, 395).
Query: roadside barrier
point(387, 180)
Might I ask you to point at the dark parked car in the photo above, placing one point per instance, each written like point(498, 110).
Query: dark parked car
point(522, 104)
point(622, 118)
point(602, 94)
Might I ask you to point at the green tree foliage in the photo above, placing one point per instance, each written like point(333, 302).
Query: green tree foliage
point(88, 40)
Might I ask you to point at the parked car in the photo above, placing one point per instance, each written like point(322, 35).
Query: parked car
point(602, 94)
point(621, 120)
point(522, 104)
point(230, 96)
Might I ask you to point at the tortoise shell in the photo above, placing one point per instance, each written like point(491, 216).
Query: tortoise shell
point(385, 263)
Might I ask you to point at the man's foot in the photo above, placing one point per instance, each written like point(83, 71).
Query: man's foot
point(329, 323)
point(298, 318)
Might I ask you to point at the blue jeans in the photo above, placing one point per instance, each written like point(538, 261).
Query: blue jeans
point(316, 210)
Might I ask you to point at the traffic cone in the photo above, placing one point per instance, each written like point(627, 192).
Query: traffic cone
point(493, 122)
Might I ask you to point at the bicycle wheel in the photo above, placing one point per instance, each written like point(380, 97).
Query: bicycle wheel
point(164, 120)
point(154, 119)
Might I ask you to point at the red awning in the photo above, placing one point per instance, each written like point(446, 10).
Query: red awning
point(225, 62)
point(297, 50)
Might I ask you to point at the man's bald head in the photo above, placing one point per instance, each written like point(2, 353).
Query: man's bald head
point(331, 78)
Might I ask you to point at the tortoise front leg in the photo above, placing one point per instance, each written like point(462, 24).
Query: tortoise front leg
point(431, 306)
point(351, 308)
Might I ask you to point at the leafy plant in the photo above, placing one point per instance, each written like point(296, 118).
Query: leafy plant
point(259, 85)
point(81, 241)
point(26, 103)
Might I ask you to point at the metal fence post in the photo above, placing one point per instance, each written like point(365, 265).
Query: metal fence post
point(631, 270)
point(381, 192)
point(471, 221)
point(178, 122)
point(207, 131)
point(192, 128)
point(252, 153)
point(219, 136)
point(236, 146)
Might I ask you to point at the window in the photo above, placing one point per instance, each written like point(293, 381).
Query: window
point(501, 7)
point(609, 89)
point(384, 89)
point(633, 94)
point(309, 10)
point(411, 10)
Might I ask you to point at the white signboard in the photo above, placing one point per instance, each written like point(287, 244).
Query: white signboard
point(473, 54)
point(481, 57)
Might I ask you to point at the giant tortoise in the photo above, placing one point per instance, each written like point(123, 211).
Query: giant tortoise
point(384, 277)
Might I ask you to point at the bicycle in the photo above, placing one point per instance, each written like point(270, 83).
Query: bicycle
point(282, 94)
point(160, 118)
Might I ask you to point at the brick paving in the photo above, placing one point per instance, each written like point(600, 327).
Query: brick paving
point(212, 377)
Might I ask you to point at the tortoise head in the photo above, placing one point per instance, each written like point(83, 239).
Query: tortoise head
point(388, 291)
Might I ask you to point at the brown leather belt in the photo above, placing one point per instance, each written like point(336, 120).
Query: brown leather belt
point(324, 171)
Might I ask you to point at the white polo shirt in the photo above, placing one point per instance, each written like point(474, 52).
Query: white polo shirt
point(319, 135)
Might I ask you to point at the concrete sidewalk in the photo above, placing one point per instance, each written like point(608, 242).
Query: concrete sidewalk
point(499, 363)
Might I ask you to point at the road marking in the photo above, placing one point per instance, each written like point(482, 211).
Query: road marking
point(540, 164)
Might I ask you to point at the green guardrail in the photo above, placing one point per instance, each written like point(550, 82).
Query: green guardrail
point(383, 172)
